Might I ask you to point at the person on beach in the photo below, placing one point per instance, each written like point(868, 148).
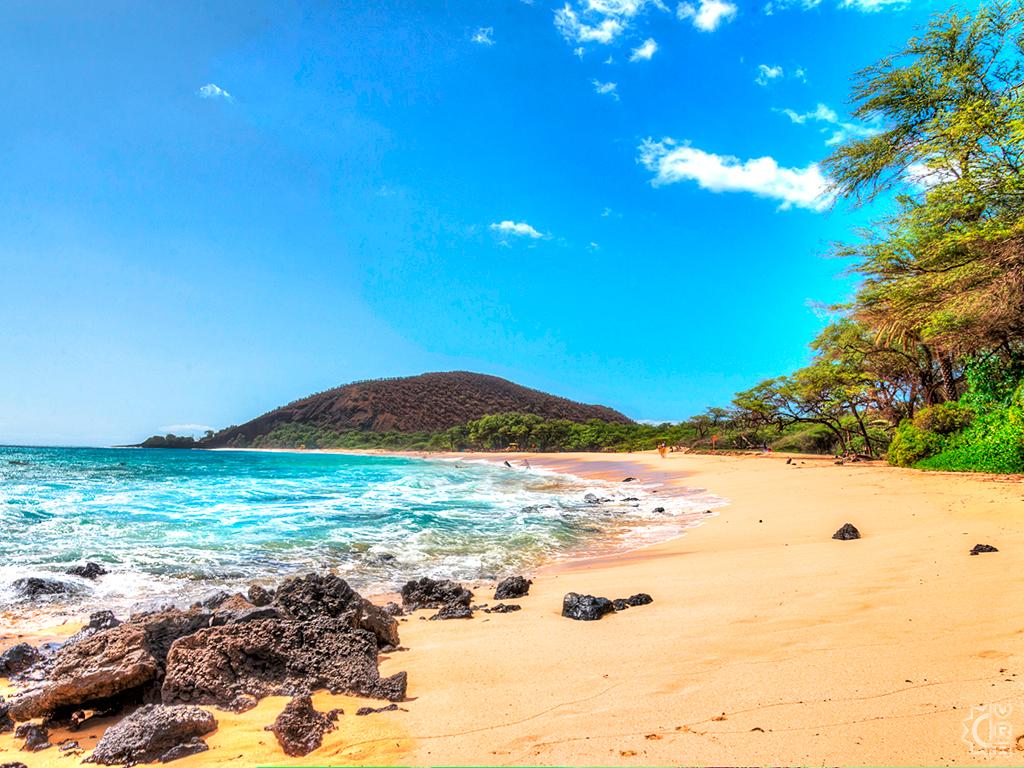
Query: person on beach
point(662, 450)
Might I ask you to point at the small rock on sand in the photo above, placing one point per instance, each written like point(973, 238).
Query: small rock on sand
point(847, 533)
point(153, 733)
point(980, 548)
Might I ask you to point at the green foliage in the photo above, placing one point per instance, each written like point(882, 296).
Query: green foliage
point(912, 444)
point(944, 418)
point(993, 443)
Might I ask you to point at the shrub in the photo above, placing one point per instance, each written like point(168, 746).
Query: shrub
point(911, 444)
point(943, 419)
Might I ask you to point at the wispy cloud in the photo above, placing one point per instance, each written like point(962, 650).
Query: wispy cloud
point(645, 51)
point(606, 89)
point(838, 130)
point(516, 229)
point(672, 162)
point(765, 74)
point(870, 6)
point(709, 14)
point(574, 30)
point(484, 36)
point(213, 91)
point(600, 21)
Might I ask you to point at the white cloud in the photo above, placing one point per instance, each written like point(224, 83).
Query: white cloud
point(672, 162)
point(838, 130)
point(645, 51)
point(821, 113)
point(766, 74)
point(484, 36)
point(709, 14)
point(606, 89)
point(516, 229)
point(213, 91)
point(870, 6)
point(568, 22)
point(600, 21)
point(594, 246)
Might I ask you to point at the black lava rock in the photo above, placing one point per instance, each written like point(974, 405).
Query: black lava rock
point(512, 587)
point(640, 598)
point(847, 533)
point(33, 587)
point(37, 737)
point(585, 607)
point(392, 609)
point(629, 479)
point(90, 571)
point(659, 510)
point(153, 733)
point(432, 593)
point(300, 729)
point(503, 608)
point(979, 548)
point(619, 604)
point(453, 611)
point(13, 765)
point(17, 659)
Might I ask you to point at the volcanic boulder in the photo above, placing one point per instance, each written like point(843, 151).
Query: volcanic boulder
point(432, 593)
point(300, 728)
point(326, 595)
point(154, 733)
point(512, 587)
point(585, 607)
point(274, 657)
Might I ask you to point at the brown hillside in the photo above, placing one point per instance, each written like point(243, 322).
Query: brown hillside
point(430, 402)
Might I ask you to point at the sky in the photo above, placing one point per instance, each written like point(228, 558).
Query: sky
point(211, 209)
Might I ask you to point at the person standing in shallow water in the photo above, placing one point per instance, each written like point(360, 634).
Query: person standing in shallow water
point(662, 450)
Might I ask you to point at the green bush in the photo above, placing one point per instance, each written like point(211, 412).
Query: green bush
point(912, 444)
point(943, 419)
point(993, 443)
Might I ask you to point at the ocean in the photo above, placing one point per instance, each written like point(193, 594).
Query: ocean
point(174, 526)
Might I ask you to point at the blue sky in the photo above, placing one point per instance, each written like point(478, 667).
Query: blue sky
point(209, 209)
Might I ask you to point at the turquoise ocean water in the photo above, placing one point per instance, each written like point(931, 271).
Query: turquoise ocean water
point(173, 526)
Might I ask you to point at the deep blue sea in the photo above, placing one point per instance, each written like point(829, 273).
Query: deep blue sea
point(174, 526)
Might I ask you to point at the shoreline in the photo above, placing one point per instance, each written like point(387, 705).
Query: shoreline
point(767, 641)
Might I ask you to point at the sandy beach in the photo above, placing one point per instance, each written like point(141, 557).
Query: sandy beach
point(767, 642)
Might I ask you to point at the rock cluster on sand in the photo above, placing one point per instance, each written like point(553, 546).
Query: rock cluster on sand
point(154, 733)
point(591, 608)
point(848, 532)
point(317, 633)
point(452, 598)
point(300, 728)
point(512, 587)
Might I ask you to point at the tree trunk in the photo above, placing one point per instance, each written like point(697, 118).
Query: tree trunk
point(948, 377)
